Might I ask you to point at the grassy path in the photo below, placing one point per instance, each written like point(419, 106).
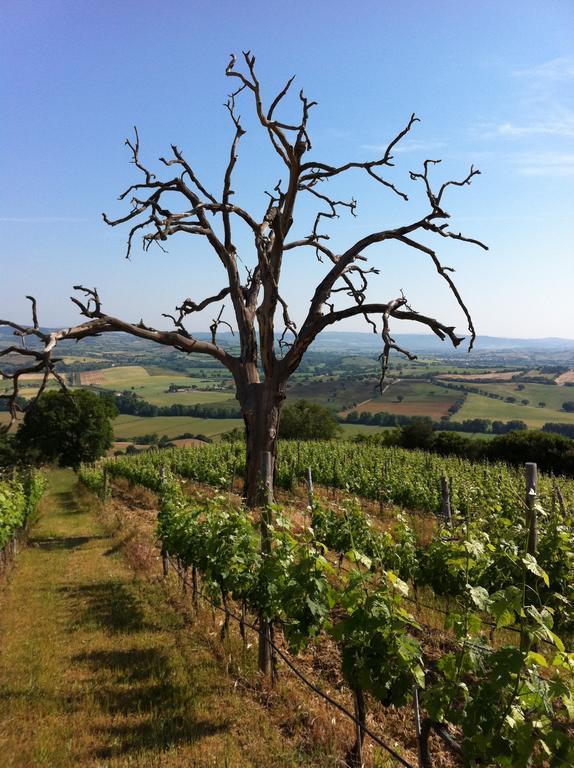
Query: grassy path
point(97, 670)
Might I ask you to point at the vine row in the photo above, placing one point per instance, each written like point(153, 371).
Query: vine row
point(511, 705)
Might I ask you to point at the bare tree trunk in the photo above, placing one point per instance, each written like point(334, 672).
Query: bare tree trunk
point(261, 404)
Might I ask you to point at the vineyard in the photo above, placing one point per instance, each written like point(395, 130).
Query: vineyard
point(19, 497)
point(499, 690)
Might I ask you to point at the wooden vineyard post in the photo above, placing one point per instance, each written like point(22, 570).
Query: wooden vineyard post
point(182, 573)
point(382, 490)
point(445, 500)
point(557, 495)
point(309, 487)
point(266, 477)
point(355, 757)
point(531, 518)
point(194, 588)
point(104, 485)
point(532, 527)
point(164, 553)
point(422, 734)
point(335, 478)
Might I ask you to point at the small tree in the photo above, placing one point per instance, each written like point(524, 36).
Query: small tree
point(271, 346)
point(418, 434)
point(8, 453)
point(308, 421)
point(69, 428)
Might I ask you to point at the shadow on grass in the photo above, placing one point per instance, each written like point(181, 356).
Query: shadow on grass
point(68, 502)
point(61, 542)
point(120, 544)
point(107, 605)
point(148, 709)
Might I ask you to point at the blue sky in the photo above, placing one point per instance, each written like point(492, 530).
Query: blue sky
point(492, 83)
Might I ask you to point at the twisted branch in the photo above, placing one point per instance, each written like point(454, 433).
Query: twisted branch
point(183, 204)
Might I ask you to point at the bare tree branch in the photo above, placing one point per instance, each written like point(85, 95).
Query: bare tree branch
point(160, 208)
point(386, 310)
point(444, 273)
point(215, 323)
point(99, 323)
point(315, 171)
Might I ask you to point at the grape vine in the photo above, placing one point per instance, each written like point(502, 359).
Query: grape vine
point(510, 704)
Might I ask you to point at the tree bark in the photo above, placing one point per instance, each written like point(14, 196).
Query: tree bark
point(261, 404)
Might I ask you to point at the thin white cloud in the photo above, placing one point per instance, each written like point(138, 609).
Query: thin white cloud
point(558, 121)
point(542, 105)
point(545, 164)
point(555, 70)
point(550, 127)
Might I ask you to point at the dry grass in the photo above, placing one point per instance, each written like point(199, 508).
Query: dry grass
point(494, 376)
point(89, 378)
point(565, 378)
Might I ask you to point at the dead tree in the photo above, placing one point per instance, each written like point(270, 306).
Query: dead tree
point(271, 345)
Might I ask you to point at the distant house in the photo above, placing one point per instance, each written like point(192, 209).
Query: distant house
point(174, 388)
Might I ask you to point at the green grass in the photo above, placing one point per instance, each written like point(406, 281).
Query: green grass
point(473, 435)
point(419, 399)
point(154, 388)
point(333, 394)
point(132, 427)
point(551, 394)
point(100, 668)
point(480, 407)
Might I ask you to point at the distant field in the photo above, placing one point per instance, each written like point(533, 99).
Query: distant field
point(550, 394)
point(121, 446)
point(338, 388)
point(29, 388)
point(74, 359)
point(540, 375)
point(123, 375)
point(479, 407)
point(473, 435)
point(92, 378)
point(565, 378)
point(154, 388)
point(137, 379)
point(132, 427)
point(418, 399)
point(493, 376)
point(334, 394)
point(31, 377)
